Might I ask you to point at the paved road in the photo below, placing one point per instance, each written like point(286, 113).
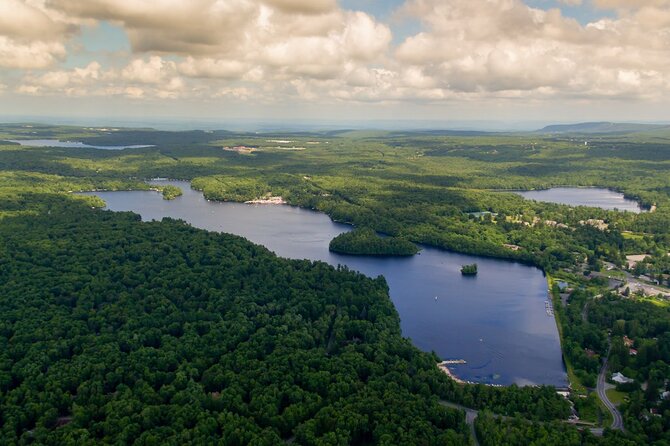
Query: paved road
point(471, 416)
point(602, 394)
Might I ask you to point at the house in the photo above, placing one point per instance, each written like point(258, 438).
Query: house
point(598, 224)
point(628, 342)
point(562, 285)
point(483, 214)
point(632, 352)
point(620, 379)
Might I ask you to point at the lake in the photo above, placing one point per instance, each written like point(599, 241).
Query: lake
point(496, 321)
point(69, 144)
point(584, 196)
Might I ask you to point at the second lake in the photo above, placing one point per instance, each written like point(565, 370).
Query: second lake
point(584, 196)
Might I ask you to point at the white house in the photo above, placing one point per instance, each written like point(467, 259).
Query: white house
point(620, 379)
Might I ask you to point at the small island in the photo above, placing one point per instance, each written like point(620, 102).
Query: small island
point(469, 270)
point(365, 241)
point(171, 192)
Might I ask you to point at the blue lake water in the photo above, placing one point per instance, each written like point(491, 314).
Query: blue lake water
point(69, 144)
point(584, 196)
point(496, 321)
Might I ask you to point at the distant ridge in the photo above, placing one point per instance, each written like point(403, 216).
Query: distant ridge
point(599, 128)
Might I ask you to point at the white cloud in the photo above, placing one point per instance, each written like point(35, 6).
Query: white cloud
point(213, 68)
point(304, 6)
point(29, 55)
point(30, 36)
point(630, 4)
point(151, 71)
point(153, 77)
point(494, 46)
point(313, 50)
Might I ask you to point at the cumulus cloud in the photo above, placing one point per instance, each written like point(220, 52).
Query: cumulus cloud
point(493, 46)
point(30, 35)
point(29, 55)
point(171, 26)
point(630, 4)
point(243, 38)
point(304, 6)
point(316, 50)
point(141, 78)
point(214, 68)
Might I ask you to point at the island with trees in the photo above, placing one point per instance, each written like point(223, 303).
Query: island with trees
point(365, 241)
point(469, 270)
point(171, 192)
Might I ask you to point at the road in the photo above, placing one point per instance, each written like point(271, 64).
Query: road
point(471, 416)
point(602, 394)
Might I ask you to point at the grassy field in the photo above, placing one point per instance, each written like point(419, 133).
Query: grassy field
point(617, 397)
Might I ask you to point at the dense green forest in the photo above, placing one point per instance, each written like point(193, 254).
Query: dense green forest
point(365, 241)
point(423, 187)
point(113, 329)
point(597, 323)
point(492, 431)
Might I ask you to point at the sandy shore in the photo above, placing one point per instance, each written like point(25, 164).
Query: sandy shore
point(442, 366)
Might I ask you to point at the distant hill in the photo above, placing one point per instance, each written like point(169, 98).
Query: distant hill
point(599, 128)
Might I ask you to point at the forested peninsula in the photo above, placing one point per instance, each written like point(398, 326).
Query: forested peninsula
point(115, 330)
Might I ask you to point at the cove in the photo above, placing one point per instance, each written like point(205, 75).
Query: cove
point(496, 321)
point(584, 196)
point(69, 144)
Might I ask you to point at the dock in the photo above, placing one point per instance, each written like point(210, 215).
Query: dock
point(453, 361)
point(549, 308)
point(444, 367)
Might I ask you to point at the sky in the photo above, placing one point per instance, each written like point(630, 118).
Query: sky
point(347, 60)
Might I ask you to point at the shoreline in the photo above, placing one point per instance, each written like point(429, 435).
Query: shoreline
point(444, 367)
point(269, 200)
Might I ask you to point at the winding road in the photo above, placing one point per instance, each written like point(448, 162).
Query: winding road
point(602, 394)
point(472, 414)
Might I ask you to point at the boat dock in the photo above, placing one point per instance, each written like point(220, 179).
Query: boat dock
point(549, 308)
point(453, 361)
point(444, 367)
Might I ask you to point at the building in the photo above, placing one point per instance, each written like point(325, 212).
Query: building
point(628, 342)
point(620, 379)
